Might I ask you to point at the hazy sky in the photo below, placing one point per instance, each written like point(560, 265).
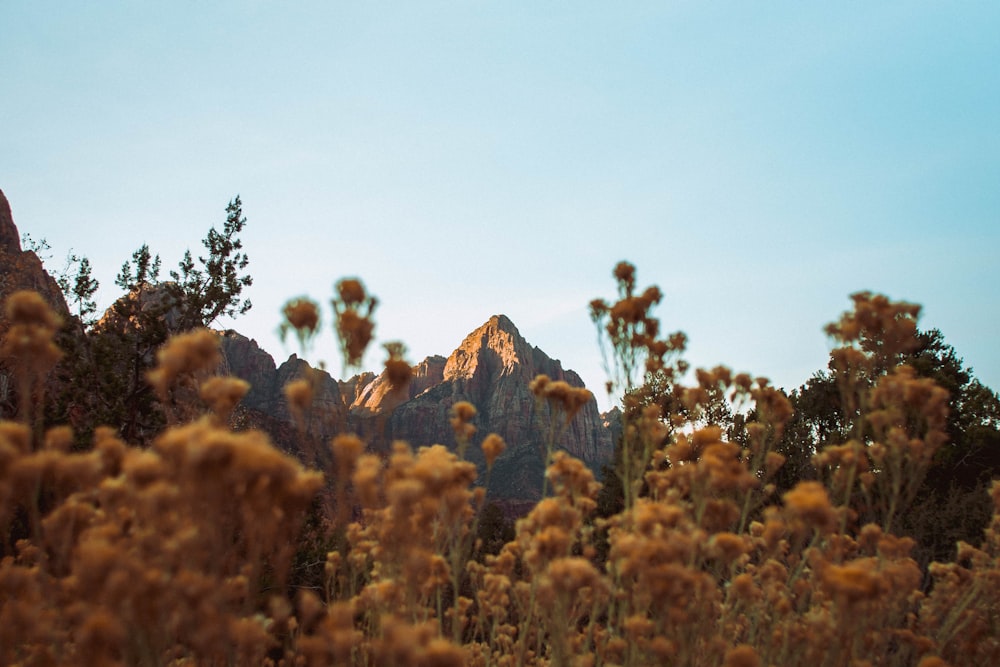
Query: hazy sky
point(758, 161)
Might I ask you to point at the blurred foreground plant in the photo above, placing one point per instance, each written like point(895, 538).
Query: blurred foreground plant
point(179, 553)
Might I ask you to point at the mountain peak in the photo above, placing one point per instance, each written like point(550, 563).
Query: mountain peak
point(22, 269)
point(497, 343)
point(10, 240)
point(503, 323)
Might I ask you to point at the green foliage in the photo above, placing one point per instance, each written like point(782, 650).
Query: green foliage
point(79, 286)
point(142, 270)
point(103, 378)
point(41, 247)
point(207, 293)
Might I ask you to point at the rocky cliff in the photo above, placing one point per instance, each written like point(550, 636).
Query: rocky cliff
point(490, 369)
point(266, 406)
point(21, 269)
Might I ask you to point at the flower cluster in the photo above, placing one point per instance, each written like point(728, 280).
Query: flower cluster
point(192, 551)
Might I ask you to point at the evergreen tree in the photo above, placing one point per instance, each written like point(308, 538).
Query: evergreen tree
point(103, 378)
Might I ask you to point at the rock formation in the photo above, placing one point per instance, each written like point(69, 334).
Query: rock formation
point(265, 405)
point(490, 369)
point(22, 269)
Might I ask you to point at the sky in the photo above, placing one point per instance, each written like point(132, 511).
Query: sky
point(759, 162)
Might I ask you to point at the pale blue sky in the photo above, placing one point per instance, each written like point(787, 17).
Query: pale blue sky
point(758, 161)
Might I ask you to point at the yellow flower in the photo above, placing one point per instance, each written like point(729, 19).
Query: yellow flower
point(493, 446)
point(191, 353)
point(351, 291)
point(222, 394)
point(303, 315)
point(809, 502)
point(743, 655)
point(299, 394)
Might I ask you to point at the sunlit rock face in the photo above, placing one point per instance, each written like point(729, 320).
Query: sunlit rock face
point(490, 369)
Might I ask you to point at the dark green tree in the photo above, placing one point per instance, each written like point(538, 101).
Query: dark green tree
point(952, 503)
point(213, 287)
point(103, 377)
point(79, 287)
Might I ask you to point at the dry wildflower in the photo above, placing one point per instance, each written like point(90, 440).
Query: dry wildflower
point(560, 394)
point(743, 655)
point(303, 315)
point(188, 354)
point(773, 462)
point(809, 502)
point(880, 327)
point(721, 465)
point(397, 370)
point(110, 448)
point(366, 479)
point(222, 394)
point(493, 446)
point(932, 661)
point(15, 437)
point(625, 274)
point(462, 414)
point(30, 309)
point(744, 589)
point(727, 547)
point(351, 291)
point(463, 411)
point(28, 347)
point(354, 308)
point(59, 439)
point(573, 480)
point(568, 575)
point(638, 627)
point(537, 386)
point(299, 394)
point(856, 581)
point(346, 450)
point(355, 332)
point(310, 609)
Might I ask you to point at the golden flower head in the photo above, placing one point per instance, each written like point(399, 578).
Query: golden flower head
point(222, 394)
point(624, 273)
point(743, 655)
point(190, 353)
point(809, 502)
point(347, 448)
point(351, 291)
point(29, 308)
point(493, 446)
point(397, 370)
point(463, 411)
point(355, 332)
point(302, 314)
point(59, 438)
point(854, 581)
point(29, 344)
point(299, 394)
